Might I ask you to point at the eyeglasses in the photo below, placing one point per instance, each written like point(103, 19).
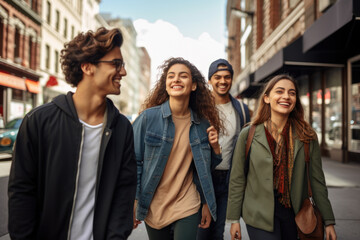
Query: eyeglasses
point(118, 63)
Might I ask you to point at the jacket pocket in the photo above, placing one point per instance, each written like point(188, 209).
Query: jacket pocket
point(153, 144)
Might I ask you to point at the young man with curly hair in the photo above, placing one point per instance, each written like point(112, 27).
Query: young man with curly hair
point(74, 172)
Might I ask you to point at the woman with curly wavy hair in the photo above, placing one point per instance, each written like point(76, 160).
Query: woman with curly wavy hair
point(271, 193)
point(176, 147)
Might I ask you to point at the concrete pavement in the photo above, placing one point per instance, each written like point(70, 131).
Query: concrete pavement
point(343, 181)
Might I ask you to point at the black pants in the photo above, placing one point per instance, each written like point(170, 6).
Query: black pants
point(284, 226)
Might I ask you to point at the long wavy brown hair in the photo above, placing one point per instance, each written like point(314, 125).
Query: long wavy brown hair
point(201, 100)
point(297, 118)
point(87, 48)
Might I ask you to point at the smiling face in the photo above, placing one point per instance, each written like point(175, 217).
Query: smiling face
point(221, 82)
point(179, 82)
point(106, 77)
point(282, 98)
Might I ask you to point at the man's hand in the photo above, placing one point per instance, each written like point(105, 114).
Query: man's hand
point(205, 217)
point(213, 137)
point(235, 231)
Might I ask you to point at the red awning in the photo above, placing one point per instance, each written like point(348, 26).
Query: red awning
point(52, 81)
point(12, 81)
point(32, 86)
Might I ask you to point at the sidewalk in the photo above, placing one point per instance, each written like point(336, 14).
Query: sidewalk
point(343, 181)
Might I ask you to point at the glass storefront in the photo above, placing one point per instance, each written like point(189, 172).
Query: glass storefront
point(354, 135)
point(303, 84)
point(333, 108)
point(316, 97)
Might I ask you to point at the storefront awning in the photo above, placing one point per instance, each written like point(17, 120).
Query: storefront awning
point(293, 55)
point(32, 86)
point(12, 81)
point(337, 29)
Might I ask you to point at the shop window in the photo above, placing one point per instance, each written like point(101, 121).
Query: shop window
point(355, 107)
point(333, 108)
point(57, 23)
point(316, 96)
point(303, 84)
point(17, 94)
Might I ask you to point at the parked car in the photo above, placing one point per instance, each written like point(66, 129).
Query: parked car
point(8, 135)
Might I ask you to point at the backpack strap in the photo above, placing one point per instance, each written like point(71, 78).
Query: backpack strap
point(247, 148)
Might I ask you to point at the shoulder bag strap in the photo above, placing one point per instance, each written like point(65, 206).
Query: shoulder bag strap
point(247, 147)
point(249, 140)
point(307, 162)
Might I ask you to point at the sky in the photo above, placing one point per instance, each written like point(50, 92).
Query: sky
point(192, 29)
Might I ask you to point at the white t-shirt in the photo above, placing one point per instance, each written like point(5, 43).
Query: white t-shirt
point(83, 217)
point(228, 115)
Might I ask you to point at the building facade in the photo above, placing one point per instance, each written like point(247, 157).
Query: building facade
point(316, 41)
point(129, 100)
point(61, 22)
point(20, 36)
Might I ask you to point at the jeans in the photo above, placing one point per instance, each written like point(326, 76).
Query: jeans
point(284, 226)
point(221, 187)
point(182, 229)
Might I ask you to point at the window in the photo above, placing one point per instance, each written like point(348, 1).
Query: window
point(57, 24)
point(333, 108)
point(1, 37)
point(48, 13)
point(56, 61)
point(17, 45)
point(30, 53)
point(72, 32)
point(47, 56)
point(316, 96)
point(65, 27)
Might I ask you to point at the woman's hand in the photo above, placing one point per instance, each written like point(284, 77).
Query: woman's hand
point(213, 139)
point(136, 222)
point(205, 217)
point(235, 231)
point(330, 232)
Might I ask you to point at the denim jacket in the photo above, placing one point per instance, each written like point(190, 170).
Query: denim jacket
point(154, 133)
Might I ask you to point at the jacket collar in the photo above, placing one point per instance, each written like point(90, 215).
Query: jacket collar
point(66, 104)
point(166, 112)
point(261, 138)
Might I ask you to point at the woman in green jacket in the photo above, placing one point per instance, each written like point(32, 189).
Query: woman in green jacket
point(271, 194)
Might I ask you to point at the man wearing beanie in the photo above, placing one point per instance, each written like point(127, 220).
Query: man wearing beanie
point(234, 115)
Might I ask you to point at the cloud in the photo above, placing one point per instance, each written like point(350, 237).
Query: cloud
point(164, 40)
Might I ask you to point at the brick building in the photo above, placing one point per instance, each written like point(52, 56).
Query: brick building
point(19, 56)
point(317, 42)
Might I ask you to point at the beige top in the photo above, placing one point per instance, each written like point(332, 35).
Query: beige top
point(176, 196)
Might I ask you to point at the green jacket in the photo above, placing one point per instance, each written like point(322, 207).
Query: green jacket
point(253, 198)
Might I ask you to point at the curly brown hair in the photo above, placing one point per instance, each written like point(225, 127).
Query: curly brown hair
point(297, 118)
point(87, 48)
point(201, 100)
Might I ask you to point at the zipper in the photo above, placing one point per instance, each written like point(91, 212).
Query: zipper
point(76, 183)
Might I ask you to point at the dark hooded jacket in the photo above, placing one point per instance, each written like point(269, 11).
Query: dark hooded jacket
point(43, 177)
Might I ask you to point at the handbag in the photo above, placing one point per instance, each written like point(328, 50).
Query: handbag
point(308, 219)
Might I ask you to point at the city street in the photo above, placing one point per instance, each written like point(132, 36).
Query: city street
point(343, 181)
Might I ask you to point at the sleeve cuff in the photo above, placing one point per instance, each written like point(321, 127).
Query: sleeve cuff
point(232, 221)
